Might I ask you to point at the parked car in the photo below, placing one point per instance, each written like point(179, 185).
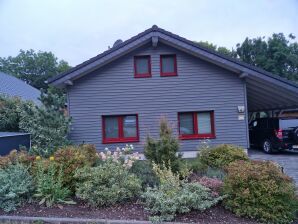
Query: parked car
point(273, 134)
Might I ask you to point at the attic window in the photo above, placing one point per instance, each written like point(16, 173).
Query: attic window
point(142, 66)
point(168, 65)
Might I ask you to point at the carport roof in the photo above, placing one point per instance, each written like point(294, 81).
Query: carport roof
point(265, 91)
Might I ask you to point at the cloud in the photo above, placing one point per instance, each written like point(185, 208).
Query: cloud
point(79, 29)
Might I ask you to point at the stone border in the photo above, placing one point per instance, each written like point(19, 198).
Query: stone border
point(58, 220)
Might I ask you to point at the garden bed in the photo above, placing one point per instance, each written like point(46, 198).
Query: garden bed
point(127, 211)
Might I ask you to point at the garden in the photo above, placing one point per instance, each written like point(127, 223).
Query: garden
point(77, 181)
point(58, 179)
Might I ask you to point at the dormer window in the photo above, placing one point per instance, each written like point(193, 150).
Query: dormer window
point(168, 65)
point(142, 66)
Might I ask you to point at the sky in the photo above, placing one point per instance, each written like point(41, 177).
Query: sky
point(76, 30)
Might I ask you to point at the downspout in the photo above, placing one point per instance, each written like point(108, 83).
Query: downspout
point(246, 114)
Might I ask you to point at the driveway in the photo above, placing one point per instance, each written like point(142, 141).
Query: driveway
point(288, 160)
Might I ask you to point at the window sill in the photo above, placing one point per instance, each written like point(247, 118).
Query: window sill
point(109, 141)
point(143, 75)
point(168, 74)
point(190, 137)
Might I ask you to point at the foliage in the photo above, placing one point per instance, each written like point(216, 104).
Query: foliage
point(10, 109)
point(16, 185)
point(277, 54)
point(215, 173)
point(106, 184)
point(214, 184)
point(15, 157)
point(124, 156)
point(143, 170)
point(71, 158)
point(222, 50)
point(49, 184)
point(258, 189)
point(174, 196)
point(221, 155)
point(33, 67)
point(165, 150)
point(47, 124)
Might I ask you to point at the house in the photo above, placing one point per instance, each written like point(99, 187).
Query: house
point(119, 96)
point(14, 87)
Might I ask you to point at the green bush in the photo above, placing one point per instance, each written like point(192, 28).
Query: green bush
point(165, 150)
point(221, 155)
point(143, 170)
point(49, 184)
point(174, 195)
point(16, 185)
point(10, 109)
point(15, 157)
point(258, 189)
point(106, 184)
point(47, 124)
point(71, 158)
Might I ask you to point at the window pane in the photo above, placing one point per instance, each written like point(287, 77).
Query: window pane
point(111, 127)
point(204, 123)
point(142, 65)
point(186, 124)
point(130, 126)
point(168, 64)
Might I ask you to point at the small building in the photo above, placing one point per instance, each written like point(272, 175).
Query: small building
point(14, 87)
point(13, 140)
point(119, 96)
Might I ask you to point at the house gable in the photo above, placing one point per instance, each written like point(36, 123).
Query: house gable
point(199, 86)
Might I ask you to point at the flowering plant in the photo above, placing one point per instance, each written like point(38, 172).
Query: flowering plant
point(123, 155)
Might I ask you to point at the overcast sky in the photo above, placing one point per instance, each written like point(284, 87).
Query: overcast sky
point(75, 30)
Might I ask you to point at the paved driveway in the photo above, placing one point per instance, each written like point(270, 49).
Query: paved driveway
point(288, 160)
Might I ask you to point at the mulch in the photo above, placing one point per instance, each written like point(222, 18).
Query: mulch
point(127, 211)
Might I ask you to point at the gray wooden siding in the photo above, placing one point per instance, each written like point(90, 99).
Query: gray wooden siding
point(199, 86)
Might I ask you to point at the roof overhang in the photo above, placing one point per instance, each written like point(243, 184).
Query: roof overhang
point(265, 91)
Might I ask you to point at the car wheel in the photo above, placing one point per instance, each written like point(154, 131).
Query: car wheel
point(267, 146)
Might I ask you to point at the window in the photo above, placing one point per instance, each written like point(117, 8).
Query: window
point(123, 128)
point(194, 125)
point(142, 66)
point(168, 65)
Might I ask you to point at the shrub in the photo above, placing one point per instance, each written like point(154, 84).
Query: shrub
point(258, 189)
point(214, 184)
point(165, 150)
point(49, 184)
point(70, 158)
point(174, 196)
point(15, 157)
point(221, 155)
point(16, 185)
point(47, 124)
point(106, 184)
point(124, 156)
point(143, 170)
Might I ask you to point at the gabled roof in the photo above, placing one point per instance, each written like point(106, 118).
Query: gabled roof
point(260, 83)
point(12, 86)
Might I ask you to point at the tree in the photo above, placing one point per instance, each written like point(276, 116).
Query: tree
point(164, 151)
point(33, 67)
point(47, 124)
point(222, 50)
point(277, 54)
point(10, 112)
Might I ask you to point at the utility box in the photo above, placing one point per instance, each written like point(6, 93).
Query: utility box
point(13, 140)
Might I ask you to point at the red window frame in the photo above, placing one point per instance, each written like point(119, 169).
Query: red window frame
point(142, 75)
point(196, 134)
point(165, 74)
point(120, 138)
